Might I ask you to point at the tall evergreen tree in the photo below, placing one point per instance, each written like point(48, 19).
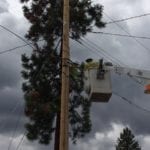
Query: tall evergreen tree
point(42, 70)
point(127, 141)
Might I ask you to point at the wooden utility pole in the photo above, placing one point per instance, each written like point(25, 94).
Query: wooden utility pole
point(63, 144)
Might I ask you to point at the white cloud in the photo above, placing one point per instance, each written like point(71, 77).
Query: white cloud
point(3, 6)
point(145, 143)
point(102, 140)
point(108, 140)
point(15, 8)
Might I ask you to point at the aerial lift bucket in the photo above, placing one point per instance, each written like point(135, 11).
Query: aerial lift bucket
point(97, 82)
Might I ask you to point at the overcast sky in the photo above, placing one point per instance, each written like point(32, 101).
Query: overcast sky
point(108, 119)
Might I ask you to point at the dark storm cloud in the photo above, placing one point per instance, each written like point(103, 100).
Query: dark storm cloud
point(11, 95)
point(10, 63)
point(11, 110)
point(9, 72)
point(131, 53)
point(13, 123)
point(120, 111)
point(123, 49)
point(102, 114)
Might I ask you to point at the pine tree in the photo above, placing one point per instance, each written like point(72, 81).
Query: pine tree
point(42, 71)
point(127, 141)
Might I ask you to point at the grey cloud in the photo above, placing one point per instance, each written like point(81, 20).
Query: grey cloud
point(11, 110)
point(10, 71)
point(3, 6)
point(10, 97)
point(10, 63)
point(128, 2)
point(120, 111)
point(102, 114)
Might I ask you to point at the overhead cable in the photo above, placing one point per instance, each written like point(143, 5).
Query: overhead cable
point(136, 40)
point(122, 35)
point(12, 49)
point(99, 49)
point(119, 26)
point(16, 35)
point(15, 128)
point(21, 141)
point(2, 123)
point(131, 103)
point(129, 18)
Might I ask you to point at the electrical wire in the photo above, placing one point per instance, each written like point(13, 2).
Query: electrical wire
point(114, 21)
point(41, 67)
point(12, 49)
point(136, 40)
point(36, 75)
point(2, 52)
point(119, 26)
point(131, 103)
point(101, 50)
point(21, 140)
point(136, 80)
point(16, 35)
point(122, 35)
point(97, 51)
point(2, 125)
point(88, 48)
point(129, 18)
point(15, 128)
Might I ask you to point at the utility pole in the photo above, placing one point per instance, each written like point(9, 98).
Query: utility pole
point(64, 121)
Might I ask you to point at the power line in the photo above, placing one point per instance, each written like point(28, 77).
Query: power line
point(88, 48)
point(118, 25)
point(105, 53)
point(129, 18)
point(35, 77)
point(16, 35)
point(109, 57)
point(131, 103)
point(15, 129)
point(122, 35)
point(86, 45)
point(10, 112)
point(12, 49)
point(136, 40)
point(21, 141)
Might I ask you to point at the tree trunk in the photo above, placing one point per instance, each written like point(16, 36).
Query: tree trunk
point(57, 132)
